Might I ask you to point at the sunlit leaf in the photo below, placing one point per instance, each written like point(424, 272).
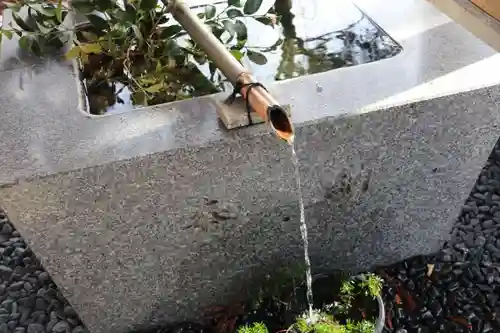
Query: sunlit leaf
point(58, 11)
point(85, 58)
point(241, 30)
point(6, 33)
point(73, 52)
point(91, 48)
point(237, 54)
point(233, 12)
point(154, 88)
point(256, 57)
point(235, 3)
point(148, 80)
point(210, 11)
point(21, 23)
point(148, 5)
point(252, 6)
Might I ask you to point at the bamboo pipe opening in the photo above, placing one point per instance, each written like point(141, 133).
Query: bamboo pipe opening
point(280, 123)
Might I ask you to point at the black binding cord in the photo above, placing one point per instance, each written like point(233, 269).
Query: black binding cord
point(237, 90)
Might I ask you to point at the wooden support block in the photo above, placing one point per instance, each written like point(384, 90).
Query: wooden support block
point(492, 7)
point(235, 115)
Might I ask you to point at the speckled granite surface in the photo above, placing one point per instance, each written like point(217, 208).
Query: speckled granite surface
point(153, 214)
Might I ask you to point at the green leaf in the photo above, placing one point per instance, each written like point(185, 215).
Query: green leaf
point(241, 30)
point(25, 43)
point(201, 15)
point(73, 52)
point(44, 10)
point(233, 12)
point(212, 68)
point(200, 58)
point(21, 23)
point(104, 5)
point(88, 36)
point(98, 22)
point(43, 29)
point(138, 34)
point(210, 11)
point(252, 6)
point(265, 20)
point(171, 30)
point(256, 57)
point(148, 5)
point(140, 98)
point(229, 27)
point(59, 11)
point(82, 6)
point(237, 54)
point(13, 6)
point(6, 33)
point(154, 88)
point(235, 3)
point(91, 48)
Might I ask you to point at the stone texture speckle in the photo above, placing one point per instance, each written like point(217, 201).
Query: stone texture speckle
point(122, 208)
point(185, 228)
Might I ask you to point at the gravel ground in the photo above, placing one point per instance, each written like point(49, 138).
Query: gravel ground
point(30, 302)
point(458, 289)
point(455, 290)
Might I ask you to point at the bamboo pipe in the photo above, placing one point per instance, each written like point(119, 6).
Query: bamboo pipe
point(258, 98)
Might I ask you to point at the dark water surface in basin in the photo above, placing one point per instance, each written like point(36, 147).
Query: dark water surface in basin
point(313, 36)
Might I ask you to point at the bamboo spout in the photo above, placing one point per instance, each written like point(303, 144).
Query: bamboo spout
point(258, 98)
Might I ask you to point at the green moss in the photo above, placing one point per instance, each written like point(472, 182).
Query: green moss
point(254, 328)
point(302, 326)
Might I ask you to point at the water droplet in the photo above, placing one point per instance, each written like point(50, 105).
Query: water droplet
point(319, 88)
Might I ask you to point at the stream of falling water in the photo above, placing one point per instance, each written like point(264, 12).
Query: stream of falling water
point(303, 231)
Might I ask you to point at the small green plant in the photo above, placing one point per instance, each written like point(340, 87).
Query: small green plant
point(364, 326)
point(254, 328)
point(135, 43)
point(323, 321)
point(372, 285)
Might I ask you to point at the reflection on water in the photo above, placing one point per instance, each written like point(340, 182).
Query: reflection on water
point(312, 37)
